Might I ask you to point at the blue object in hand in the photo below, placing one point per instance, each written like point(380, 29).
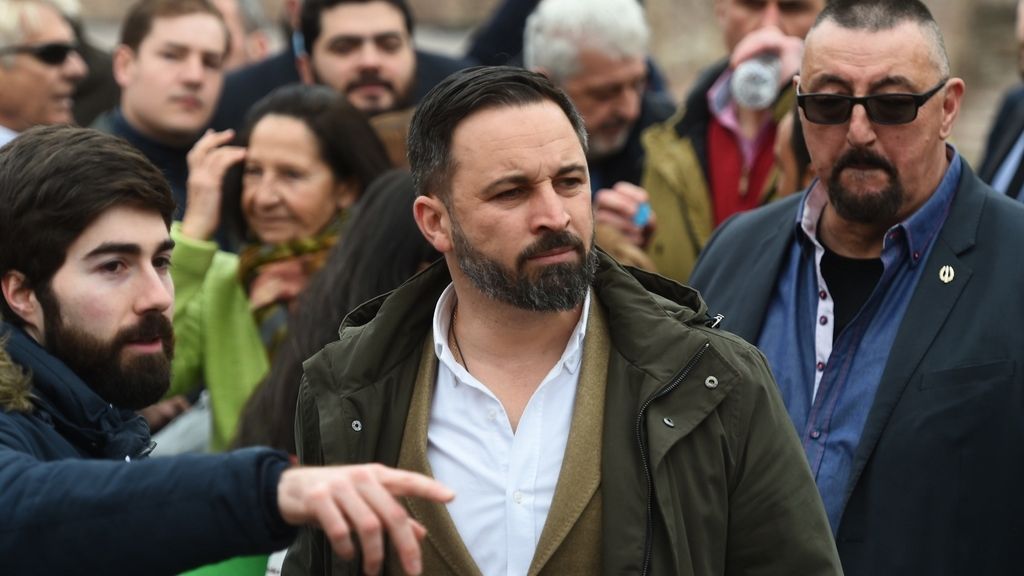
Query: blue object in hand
point(643, 215)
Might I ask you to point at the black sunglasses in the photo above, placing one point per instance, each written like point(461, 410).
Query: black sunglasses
point(822, 108)
point(54, 53)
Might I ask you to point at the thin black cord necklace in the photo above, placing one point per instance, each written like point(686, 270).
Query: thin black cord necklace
point(455, 337)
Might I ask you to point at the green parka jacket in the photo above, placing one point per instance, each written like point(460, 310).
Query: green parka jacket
point(702, 472)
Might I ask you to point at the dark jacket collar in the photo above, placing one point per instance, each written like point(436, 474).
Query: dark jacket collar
point(636, 303)
point(93, 426)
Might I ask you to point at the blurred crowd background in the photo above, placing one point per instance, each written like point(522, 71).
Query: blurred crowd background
point(979, 35)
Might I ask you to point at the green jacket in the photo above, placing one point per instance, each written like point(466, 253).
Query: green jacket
point(217, 341)
point(702, 472)
point(676, 166)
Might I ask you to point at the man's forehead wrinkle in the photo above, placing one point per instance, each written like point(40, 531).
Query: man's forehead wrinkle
point(838, 61)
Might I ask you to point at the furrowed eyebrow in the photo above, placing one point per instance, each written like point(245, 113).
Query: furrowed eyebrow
point(520, 179)
point(569, 169)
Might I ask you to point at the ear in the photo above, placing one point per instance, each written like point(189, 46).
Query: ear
point(22, 300)
point(346, 193)
point(954, 95)
point(124, 65)
point(257, 45)
point(305, 68)
point(434, 222)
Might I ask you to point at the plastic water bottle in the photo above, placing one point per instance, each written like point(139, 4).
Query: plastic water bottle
point(755, 82)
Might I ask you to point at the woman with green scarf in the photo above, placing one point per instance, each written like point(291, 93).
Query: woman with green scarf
point(302, 161)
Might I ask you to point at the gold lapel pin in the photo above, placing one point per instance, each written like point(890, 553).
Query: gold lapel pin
point(946, 274)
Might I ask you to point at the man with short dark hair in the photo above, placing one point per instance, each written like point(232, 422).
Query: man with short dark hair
point(361, 48)
point(877, 296)
point(169, 64)
point(87, 300)
point(590, 419)
point(39, 67)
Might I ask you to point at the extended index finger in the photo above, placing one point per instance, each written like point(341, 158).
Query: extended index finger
point(405, 483)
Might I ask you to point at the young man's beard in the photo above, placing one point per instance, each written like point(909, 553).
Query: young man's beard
point(556, 287)
point(131, 382)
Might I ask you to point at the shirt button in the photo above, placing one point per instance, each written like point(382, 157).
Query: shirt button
point(517, 496)
point(492, 415)
point(917, 255)
point(823, 320)
point(815, 434)
point(823, 295)
point(821, 366)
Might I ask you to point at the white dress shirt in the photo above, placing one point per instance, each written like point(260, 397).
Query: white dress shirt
point(504, 481)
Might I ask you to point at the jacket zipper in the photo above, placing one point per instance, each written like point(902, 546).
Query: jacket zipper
point(672, 385)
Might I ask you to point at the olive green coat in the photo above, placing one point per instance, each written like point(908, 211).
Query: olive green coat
point(675, 176)
point(701, 470)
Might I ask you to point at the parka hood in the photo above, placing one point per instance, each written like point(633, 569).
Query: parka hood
point(15, 384)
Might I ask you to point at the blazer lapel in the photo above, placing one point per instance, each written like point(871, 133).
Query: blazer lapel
point(443, 537)
point(580, 476)
point(926, 314)
point(763, 270)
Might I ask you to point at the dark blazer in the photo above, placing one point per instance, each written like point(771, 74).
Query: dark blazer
point(1005, 131)
point(935, 488)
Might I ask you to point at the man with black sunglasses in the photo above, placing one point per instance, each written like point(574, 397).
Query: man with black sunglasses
point(877, 296)
point(39, 67)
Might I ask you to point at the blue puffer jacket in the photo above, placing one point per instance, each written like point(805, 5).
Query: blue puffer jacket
point(79, 496)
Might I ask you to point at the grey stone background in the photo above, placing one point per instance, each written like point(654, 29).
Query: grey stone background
point(979, 36)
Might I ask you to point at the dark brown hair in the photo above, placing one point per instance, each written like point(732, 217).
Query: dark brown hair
point(54, 182)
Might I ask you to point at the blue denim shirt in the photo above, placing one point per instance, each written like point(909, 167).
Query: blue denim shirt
point(829, 386)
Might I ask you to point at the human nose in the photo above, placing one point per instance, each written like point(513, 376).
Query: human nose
point(192, 69)
point(548, 210)
point(860, 132)
point(74, 67)
point(627, 105)
point(265, 193)
point(156, 291)
point(369, 55)
point(771, 16)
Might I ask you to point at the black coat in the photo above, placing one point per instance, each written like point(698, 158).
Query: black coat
point(935, 488)
point(79, 496)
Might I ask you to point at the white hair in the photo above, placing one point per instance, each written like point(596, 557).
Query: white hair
point(558, 30)
point(17, 19)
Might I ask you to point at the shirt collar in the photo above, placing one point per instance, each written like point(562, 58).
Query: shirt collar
point(6, 135)
point(920, 228)
point(571, 358)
